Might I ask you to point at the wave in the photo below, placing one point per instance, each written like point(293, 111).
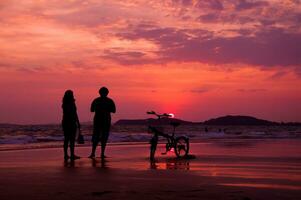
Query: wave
point(52, 133)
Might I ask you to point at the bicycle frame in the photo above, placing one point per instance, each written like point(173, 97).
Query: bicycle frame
point(172, 141)
point(160, 133)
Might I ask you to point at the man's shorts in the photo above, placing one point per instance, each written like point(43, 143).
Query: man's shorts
point(101, 132)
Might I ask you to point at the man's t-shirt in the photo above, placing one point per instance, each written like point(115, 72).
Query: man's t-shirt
point(103, 107)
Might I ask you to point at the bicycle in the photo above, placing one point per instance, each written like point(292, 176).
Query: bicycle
point(180, 144)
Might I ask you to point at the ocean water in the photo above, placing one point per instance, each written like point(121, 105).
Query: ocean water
point(37, 136)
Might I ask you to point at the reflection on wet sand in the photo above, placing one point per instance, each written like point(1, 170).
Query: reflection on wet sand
point(256, 185)
point(87, 162)
point(171, 164)
point(69, 164)
point(263, 164)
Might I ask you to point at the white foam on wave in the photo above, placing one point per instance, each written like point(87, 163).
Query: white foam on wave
point(44, 134)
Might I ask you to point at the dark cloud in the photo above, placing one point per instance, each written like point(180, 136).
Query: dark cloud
point(298, 71)
point(126, 57)
point(211, 17)
point(251, 90)
point(211, 4)
point(246, 4)
point(268, 48)
point(278, 75)
point(203, 89)
point(272, 47)
point(267, 22)
point(5, 65)
point(26, 69)
point(218, 17)
point(271, 16)
point(199, 90)
point(184, 2)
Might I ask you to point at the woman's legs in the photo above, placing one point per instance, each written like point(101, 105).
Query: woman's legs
point(66, 141)
point(72, 144)
point(69, 134)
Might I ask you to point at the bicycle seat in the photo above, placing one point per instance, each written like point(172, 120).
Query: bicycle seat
point(175, 124)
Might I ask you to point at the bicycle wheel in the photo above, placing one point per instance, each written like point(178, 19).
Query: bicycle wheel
point(182, 146)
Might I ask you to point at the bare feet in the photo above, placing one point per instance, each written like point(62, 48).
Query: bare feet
point(66, 157)
point(74, 157)
point(92, 156)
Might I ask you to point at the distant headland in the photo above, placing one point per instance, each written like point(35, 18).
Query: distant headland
point(229, 120)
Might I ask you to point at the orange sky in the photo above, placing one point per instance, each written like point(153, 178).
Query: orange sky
point(197, 59)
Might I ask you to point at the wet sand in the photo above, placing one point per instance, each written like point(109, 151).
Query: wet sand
point(222, 169)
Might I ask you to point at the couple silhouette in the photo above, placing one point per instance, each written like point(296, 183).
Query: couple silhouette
point(102, 106)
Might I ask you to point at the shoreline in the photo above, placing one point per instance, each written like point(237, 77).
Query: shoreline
point(58, 144)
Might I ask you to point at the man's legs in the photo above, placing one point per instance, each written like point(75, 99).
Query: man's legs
point(104, 140)
point(94, 145)
point(95, 140)
point(153, 147)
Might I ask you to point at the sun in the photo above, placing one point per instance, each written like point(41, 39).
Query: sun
point(171, 115)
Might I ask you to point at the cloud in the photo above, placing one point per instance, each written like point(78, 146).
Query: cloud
point(183, 2)
point(89, 16)
point(213, 31)
point(211, 17)
point(246, 4)
point(271, 47)
point(297, 70)
point(278, 74)
point(4, 64)
point(204, 88)
point(126, 57)
point(251, 90)
point(200, 90)
point(212, 4)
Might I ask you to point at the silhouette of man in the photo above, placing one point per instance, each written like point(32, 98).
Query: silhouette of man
point(103, 107)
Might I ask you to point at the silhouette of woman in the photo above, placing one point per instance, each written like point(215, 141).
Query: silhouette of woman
point(70, 123)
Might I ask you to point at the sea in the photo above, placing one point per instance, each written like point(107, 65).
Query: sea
point(51, 135)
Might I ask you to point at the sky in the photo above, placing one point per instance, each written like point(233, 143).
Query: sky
point(198, 59)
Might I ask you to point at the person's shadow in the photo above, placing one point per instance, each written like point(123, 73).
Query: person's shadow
point(70, 164)
point(101, 164)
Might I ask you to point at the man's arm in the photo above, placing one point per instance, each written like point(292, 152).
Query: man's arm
point(113, 108)
point(92, 109)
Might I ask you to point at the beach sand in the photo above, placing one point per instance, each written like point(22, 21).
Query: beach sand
point(222, 169)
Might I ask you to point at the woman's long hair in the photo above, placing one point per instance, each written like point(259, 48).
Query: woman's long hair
point(68, 97)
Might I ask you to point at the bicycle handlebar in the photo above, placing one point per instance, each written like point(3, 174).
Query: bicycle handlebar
point(158, 115)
